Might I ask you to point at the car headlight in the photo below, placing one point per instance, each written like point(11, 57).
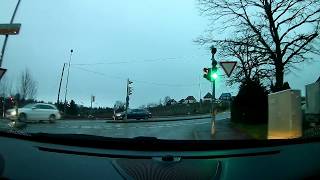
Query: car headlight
point(13, 113)
point(118, 114)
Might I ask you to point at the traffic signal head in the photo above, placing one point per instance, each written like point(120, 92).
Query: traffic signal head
point(206, 73)
point(214, 73)
point(210, 73)
point(130, 91)
point(11, 99)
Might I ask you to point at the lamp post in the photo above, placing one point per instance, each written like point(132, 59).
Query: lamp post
point(7, 35)
point(65, 95)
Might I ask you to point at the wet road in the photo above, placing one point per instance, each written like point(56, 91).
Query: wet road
point(181, 129)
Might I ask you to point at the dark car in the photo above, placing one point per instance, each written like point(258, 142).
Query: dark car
point(134, 114)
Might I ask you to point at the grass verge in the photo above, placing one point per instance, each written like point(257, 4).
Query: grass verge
point(256, 131)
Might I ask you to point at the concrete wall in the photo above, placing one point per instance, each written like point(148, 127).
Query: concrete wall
point(313, 98)
point(284, 116)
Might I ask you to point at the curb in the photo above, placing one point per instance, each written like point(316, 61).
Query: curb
point(157, 120)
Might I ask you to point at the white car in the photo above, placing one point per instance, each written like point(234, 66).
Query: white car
point(35, 112)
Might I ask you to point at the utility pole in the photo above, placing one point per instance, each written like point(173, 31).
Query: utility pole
point(58, 100)
point(7, 36)
point(129, 92)
point(65, 95)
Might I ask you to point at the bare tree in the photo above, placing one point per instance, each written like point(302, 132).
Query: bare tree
point(251, 65)
point(5, 87)
point(27, 85)
point(285, 30)
point(119, 105)
point(166, 100)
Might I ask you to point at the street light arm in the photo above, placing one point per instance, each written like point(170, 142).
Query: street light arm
point(7, 36)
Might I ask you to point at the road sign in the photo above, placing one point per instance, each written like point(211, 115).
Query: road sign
point(228, 66)
point(2, 71)
point(9, 29)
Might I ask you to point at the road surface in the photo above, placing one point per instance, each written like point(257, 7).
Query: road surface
point(181, 130)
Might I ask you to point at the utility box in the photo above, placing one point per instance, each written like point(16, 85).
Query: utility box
point(284, 117)
point(312, 111)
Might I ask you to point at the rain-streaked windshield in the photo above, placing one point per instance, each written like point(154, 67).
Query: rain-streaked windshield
point(178, 70)
point(28, 106)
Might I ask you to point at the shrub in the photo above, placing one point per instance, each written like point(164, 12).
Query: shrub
point(251, 103)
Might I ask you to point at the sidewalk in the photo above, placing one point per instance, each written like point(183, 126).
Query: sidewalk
point(224, 131)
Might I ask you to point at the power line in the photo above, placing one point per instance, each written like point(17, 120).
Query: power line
point(138, 81)
point(136, 61)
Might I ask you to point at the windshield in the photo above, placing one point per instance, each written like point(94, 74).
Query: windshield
point(28, 106)
point(177, 70)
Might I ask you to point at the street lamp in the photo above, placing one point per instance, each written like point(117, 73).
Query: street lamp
point(65, 95)
point(9, 29)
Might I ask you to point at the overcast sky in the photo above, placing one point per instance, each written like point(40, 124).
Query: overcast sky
point(150, 42)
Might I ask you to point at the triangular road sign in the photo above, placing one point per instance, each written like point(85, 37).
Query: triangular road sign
point(228, 66)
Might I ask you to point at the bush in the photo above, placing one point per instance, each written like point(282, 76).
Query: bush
point(251, 104)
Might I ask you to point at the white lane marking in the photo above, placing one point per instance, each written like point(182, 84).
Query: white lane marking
point(170, 125)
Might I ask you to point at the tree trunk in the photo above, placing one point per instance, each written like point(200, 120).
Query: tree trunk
point(279, 77)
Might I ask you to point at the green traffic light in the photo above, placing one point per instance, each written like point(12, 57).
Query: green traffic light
point(214, 76)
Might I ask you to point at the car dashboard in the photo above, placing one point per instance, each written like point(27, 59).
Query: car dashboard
point(27, 157)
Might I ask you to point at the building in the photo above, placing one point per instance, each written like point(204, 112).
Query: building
point(207, 97)
point(171, 102)
point(225, 97)
point(181, 101)
point(190, 100)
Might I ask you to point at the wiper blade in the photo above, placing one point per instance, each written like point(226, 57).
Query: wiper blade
point(146, 138)
point(70, 136)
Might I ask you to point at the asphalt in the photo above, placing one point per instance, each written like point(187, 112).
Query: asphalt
point(160, 119)
point(223, 131)
point(187, 128)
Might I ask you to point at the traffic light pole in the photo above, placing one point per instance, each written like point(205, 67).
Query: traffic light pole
point(129, 92)
point(127, 101)
point(213, 127)
point(214, 64)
